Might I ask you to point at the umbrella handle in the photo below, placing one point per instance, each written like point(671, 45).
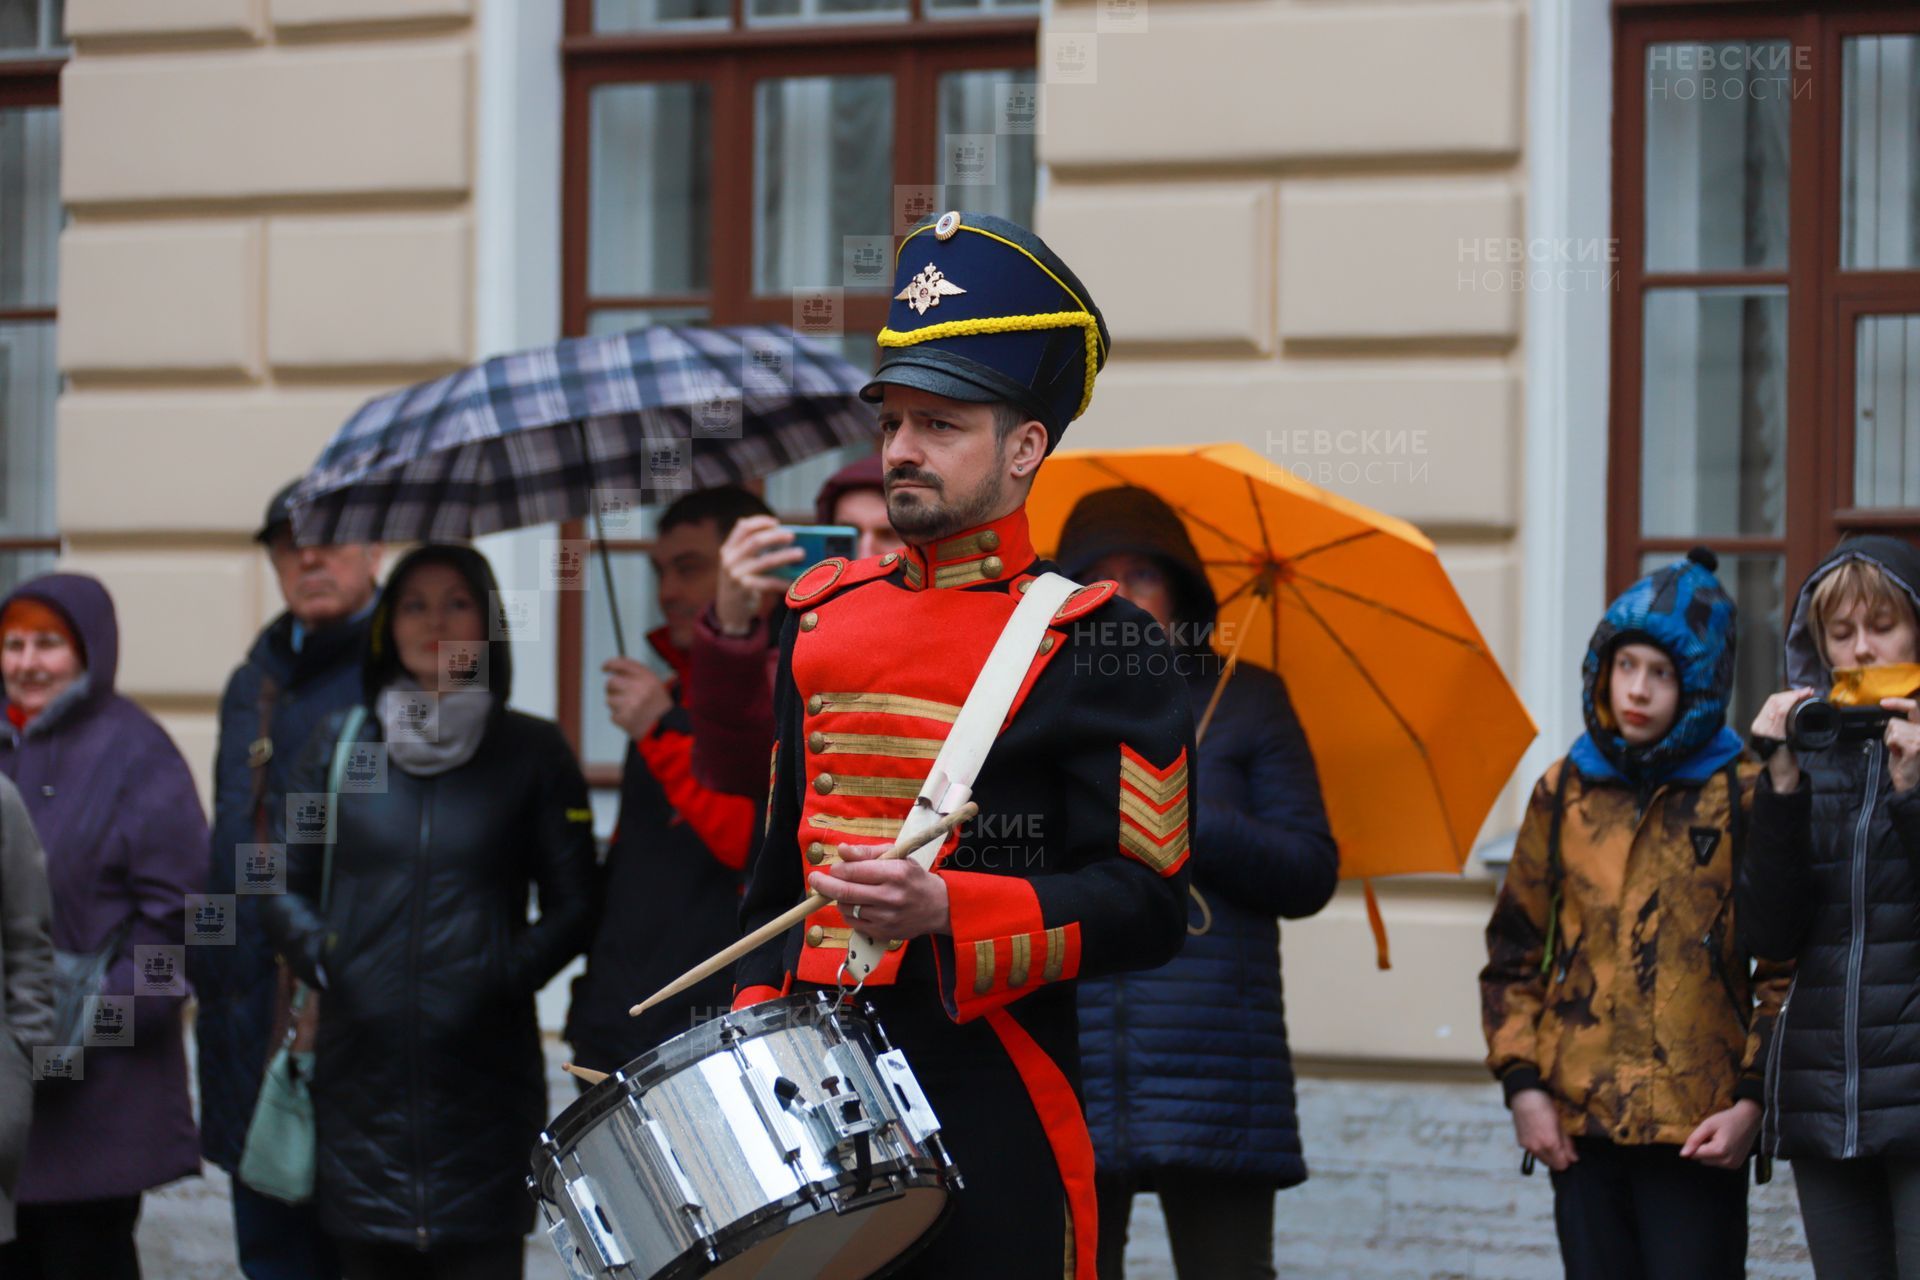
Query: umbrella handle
point(606, 571)
point(600, 543)
point(1233, 662)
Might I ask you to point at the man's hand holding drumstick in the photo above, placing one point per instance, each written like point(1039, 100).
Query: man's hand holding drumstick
point(905, 897)
point(886, 898)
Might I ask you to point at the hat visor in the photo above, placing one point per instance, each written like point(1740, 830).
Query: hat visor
point(930, 373)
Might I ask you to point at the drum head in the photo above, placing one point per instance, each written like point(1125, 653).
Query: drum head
point(835, 1246)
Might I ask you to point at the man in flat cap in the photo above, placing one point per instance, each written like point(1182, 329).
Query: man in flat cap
point(1076, 865)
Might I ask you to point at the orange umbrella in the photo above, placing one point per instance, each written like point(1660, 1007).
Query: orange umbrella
point(1412, 723)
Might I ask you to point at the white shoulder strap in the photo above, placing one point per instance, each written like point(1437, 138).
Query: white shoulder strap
point(949, 783)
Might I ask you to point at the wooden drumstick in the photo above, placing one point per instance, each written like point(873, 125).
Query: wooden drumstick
point(814, 901)
point(585, 1073)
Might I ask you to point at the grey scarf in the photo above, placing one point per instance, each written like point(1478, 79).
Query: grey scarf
point(431, 733)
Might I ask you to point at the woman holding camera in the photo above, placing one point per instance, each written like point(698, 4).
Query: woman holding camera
point(428, 1081)
point(1833, 881)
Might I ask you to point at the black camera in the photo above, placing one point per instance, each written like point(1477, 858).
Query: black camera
point(1816, 724)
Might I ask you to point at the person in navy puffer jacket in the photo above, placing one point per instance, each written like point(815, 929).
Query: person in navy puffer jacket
point(1186, 1073)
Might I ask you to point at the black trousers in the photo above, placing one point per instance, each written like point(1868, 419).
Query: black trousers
point(1643, 1213)
point(1219, 1228)
point(503, 1259)
point(1862, 1216)
point(82, 1240)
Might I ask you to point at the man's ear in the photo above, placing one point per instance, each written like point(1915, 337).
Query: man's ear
point(1029, 446)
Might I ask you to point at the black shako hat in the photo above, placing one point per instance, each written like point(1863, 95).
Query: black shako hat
point(984, 311)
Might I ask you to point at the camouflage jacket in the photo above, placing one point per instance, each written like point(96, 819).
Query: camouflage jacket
point(1646, 1018)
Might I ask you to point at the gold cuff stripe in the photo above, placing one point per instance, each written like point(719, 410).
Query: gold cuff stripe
point(1158, 790)
point(1154, 823)
point(886, 828)
point(881, 744)
point(1056, 955)
point(1021, 961)
point(982, 968)
point(1160, 857)
point(886, 788)
point(890, 704)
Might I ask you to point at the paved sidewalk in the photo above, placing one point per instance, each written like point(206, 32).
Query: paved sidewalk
point(1412, 1180)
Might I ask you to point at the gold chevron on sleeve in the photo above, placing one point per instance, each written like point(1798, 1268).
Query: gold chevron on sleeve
point(1155, 823)
point(893, 704)
point(1158, 790)
point(1161, 857)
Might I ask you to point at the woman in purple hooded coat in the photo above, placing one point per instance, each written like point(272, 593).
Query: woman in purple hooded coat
point(125, 841)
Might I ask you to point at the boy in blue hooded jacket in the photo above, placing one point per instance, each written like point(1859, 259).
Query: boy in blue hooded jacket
point(1624, 1022)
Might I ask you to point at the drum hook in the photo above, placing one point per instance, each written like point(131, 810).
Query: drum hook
point(843, 994)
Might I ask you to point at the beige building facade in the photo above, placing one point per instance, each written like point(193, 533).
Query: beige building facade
point(1297, 217)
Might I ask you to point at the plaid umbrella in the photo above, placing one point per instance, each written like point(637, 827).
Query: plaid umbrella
point(531, 438)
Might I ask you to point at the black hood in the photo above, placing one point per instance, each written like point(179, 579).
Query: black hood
point(382, 664)
point(1130, 520)
point(1896, 557)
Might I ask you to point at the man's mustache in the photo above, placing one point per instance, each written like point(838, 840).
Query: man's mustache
point(910, 475)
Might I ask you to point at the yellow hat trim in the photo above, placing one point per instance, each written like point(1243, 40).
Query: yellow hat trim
point(1011, 324)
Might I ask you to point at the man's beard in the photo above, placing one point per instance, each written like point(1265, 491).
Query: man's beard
point(926, 515)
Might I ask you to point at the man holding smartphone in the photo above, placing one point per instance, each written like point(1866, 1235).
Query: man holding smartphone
point(731, 673)
point(676, 841)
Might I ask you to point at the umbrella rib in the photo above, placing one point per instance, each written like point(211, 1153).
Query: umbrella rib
point(1260, 518)
point(1337, 542)
point(1222, 534)
point(1100, 464)
point(1240, 590)
point(1439, 794)
point(1389, 610)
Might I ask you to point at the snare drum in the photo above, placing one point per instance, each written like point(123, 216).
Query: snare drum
point(786, 1140)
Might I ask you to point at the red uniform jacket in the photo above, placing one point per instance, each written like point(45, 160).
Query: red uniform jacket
point(1076, 864)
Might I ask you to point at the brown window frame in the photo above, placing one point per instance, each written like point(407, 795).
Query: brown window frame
point(1823, 301)
point(917, 50)
point(30, 82)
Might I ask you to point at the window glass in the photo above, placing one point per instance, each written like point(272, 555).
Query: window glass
point(1716, 162)
point(823, 171)
point(1713, 412)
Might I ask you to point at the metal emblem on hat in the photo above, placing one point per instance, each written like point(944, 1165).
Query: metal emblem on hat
point(948, 224)
point(926, 289)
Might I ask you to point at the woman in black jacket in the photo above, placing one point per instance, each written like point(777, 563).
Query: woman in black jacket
point(1186, 1072)
point(1832, 880)
point(429, 1085)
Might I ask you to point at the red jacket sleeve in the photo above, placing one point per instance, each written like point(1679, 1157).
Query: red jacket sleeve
point(723, 822)
point(729, 696)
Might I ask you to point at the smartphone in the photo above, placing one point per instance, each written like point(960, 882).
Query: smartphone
point(819, 542)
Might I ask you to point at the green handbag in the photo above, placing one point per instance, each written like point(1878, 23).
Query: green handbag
point(279, 1156)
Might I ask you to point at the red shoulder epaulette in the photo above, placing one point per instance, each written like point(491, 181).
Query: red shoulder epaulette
point(837, 573)
point(1086, 600)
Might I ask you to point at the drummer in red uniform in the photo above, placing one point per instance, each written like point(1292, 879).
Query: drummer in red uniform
point(1075, 865)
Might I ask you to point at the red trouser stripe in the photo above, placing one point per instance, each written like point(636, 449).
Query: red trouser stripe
point(1066, 1129)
